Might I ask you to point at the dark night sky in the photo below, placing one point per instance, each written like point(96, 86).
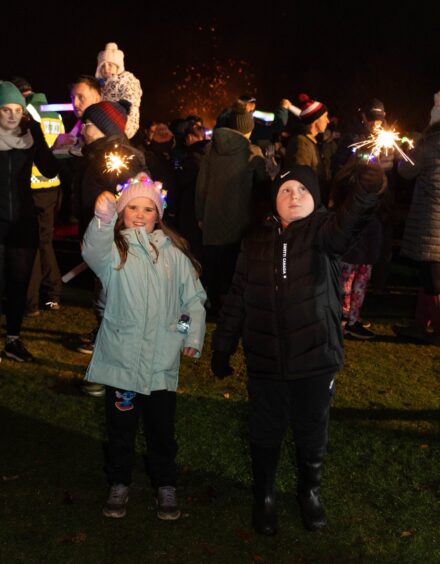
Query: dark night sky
point(323, 48)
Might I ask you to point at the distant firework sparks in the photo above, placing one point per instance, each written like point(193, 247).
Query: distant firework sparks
point(382, 141)
point(205, 89)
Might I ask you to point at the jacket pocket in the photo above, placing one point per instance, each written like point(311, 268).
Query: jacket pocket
point(116, 342)
point(171, 346)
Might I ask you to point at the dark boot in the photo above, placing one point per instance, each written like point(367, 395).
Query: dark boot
point(264, 466)
point(309, 482)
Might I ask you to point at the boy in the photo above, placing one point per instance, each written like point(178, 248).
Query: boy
point(285, 303)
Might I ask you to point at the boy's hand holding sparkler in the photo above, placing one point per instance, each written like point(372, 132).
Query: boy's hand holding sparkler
point(105, 207)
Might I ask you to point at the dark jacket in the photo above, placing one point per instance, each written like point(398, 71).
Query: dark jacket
point(15, 175)
point(285, 296)
point(91, 177)
point(230, 177)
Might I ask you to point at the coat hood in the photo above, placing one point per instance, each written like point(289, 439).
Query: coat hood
point(227, 141)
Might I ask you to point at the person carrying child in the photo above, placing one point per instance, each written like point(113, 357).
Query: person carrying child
point(154, 311)
point(285, 304)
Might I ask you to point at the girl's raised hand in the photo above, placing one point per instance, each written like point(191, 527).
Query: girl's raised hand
point(105, 207)
point(189, 351)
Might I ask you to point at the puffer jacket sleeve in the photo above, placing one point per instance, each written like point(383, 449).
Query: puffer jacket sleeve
point(230, 324)
point(98, 247)
point(343, 228)
point(192, 298)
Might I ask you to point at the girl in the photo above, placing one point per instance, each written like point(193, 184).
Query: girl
point(154, 310)
point(119, 84)
point(284, 301)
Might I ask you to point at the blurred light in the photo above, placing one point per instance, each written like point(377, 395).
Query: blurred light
point(265, 116)
point(56, 108)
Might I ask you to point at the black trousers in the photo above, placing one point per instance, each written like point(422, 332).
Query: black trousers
point(18, 245)
point(303, 404)
point(158, 412)
point(218, 270)
point(46, 278)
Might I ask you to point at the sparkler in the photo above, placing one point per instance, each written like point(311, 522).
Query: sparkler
point(382, 141)
point(114, 162)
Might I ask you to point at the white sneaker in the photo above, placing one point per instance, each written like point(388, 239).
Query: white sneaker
point(115, 506)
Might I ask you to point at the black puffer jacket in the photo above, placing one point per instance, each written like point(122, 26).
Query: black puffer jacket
point(15, 175)
point(285, 296)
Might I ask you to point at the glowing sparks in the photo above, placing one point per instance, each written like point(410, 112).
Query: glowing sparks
point(115, 162)
point(383, 141)
point(206, 89)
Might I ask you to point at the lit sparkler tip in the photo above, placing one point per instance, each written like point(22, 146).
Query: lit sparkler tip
point(382, 141)
point(114, 162)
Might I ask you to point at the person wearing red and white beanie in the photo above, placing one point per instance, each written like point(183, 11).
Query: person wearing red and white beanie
point(311, 110)
point(303, 149)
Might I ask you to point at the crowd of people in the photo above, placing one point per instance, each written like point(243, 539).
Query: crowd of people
point(273, 230)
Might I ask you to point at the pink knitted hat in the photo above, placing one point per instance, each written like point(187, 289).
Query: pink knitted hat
point(141, 186)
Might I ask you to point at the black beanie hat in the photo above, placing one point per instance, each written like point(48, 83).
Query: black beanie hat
point(22, 84)
point(109, 117)
point(241, 121)
point(303, 174)
point(374, 110)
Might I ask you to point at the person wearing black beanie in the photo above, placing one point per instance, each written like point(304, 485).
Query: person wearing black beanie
point(284, 303)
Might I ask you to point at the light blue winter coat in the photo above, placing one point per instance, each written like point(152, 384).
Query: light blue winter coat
point(138, 346)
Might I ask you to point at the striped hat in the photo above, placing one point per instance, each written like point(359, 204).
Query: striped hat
point(311, 110)
point(109, 117)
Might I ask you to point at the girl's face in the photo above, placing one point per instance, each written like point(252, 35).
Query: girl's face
point(108, 70)
point(294, 202)
point(10, 116)
point(140, 212)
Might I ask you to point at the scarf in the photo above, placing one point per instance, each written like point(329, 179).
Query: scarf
point(11, 139)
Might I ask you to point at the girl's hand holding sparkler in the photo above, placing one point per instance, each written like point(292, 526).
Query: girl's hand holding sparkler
point(105, 207)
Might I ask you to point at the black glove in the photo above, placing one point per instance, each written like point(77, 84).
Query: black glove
point(371, 177)
point(220, 364)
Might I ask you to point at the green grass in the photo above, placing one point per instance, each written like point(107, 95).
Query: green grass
point(381, 480)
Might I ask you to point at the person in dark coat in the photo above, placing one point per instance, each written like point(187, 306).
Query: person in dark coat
point(285, 304)
point(232, 180)
point(21, 144)
point(196, 147)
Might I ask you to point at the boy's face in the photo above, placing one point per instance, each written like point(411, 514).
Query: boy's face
point(294, 202)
